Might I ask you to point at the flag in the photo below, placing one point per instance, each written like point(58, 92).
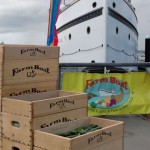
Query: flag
point(52, 38)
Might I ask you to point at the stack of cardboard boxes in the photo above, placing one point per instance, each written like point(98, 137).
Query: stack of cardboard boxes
point(26, 69)
point(34, 111)
point(29, 96)
point(110, 137)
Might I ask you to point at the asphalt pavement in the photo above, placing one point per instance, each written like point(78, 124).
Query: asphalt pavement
point(137, 131)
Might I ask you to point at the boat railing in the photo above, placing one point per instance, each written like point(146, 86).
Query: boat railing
point(101, 68)
point(67, 5)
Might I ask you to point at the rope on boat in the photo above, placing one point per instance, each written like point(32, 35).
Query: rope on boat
point(80, 50)
point(121, 51)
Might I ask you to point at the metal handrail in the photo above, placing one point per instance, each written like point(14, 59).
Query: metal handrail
point(143, 64)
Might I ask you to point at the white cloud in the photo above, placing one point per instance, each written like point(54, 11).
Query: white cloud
point(25, 21)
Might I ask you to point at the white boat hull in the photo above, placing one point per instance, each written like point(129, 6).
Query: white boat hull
point(103, 44)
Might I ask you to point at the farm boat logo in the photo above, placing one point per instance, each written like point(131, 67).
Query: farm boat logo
point(28, 91)
point(59, 120)
point(62, 103)
point(30, 70)
point(32, 51)
point(107, 92)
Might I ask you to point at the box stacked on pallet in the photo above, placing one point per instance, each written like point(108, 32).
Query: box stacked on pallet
point(28, 74)
point(108, 135)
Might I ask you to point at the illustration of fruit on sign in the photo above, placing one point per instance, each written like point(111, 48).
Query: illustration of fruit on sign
point(107, 92)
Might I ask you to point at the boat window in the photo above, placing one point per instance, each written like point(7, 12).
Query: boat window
point(69, 36)
point(88, 30)
point(15, 148)
point(117, 30)
point(86, 17)
point(123, 20)
point(94, 4)
point(129, 36)
point(114, 4)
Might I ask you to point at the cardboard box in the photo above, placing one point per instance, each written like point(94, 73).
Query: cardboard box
point(40, 110)
point(22, 65)
point(26, 64)
point(0, 124)
point(0, 144)
point(112, 145)
point(11, 145)
point(39, 104)
point(109, 137)
point(20, 129)
point(30, 88)
point(0, 141)
point(27, 71)
point(0, 131)
point(20, 52)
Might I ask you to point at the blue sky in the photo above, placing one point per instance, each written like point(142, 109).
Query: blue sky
point(25, 21)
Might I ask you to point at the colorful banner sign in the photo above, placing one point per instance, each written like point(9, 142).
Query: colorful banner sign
point(114, 93)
